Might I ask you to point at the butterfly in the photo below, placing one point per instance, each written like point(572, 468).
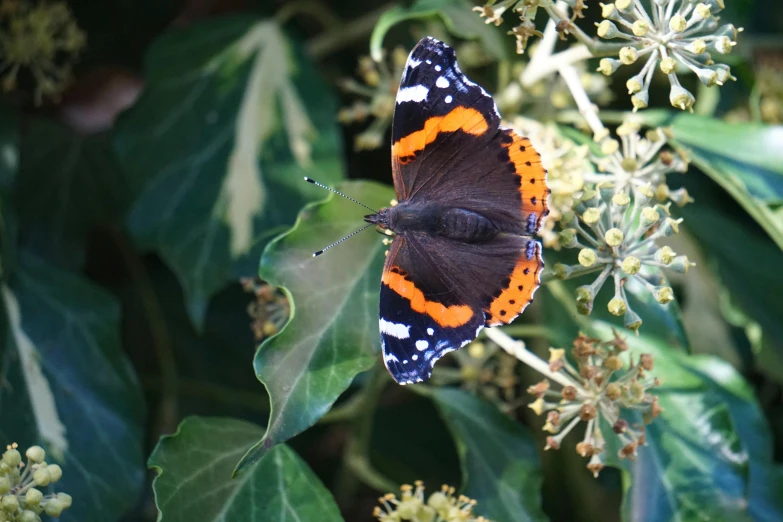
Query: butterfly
point(471, 195)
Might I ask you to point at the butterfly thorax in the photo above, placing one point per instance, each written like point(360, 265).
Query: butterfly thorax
point(453, 223)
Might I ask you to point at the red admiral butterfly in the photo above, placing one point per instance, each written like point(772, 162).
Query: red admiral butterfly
point(471, 195)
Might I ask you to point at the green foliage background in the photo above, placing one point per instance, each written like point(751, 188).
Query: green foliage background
point(122, 245)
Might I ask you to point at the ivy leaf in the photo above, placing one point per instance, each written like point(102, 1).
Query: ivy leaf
point(279, 487)
point(333, 331)
point(500, 465)
point(68, 184)
point(230, 121)
point(709, 451)
point(455, 14)
point(68, 387)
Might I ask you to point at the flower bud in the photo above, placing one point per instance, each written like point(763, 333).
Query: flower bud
point(614, 237)
point(53, 507)
point(561, 271)
point(41, 477)
point(621, 199)
point(643, 194)
point(607, 10)
point(724, 73)
point(681, 264)
point(33, 497)
point(607, 29)
point(681, 98)
point(9, 503)
point(621, 426)
point(702, 11)
point(28, 516)
point(613, 363)
point(668, 65)
point(607, 66)
point(665, 255)
point(628, 55)
point(723, 44)
point(584, 299)
point(617, 306)
point(587, 257)
point(631, 320)
point(537, 406)
point(633, 85)
point(595, 465)
point(567, 238)
point(678, 23)
point(624, 5)
point(65, 500)
point(640, 100)
point(5, 485)
point(637, 391)
point(609, 146)
point(12, 457)
point(650, 216)
point(632, 265)
point(36, 453)
point(697, 46)
point(588, 412)
point(585, 449)
point(613, 391)
point(646, 361)
point(55, 472)
point(438, 501)
point(671, 227)
point(681, 197)
point(568, 393)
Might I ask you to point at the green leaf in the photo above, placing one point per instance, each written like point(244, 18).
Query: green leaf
point(455, 14)
point(500, 465)
point(230, 120)
point(707, 453)
point(333, 331)
point(68, 184)
point(743, 158)
point(68, 387)
point(194, 477)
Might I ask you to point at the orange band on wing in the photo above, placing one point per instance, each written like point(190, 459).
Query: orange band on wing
point(446, 316)
point(533, 187)
point(465, 119)
point(513, 299)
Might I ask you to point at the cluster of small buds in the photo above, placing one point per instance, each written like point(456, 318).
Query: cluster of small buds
point(41, 38)
point(378, 89)
point(441, 506)
point(604, 388)
point(675, 36)
point(269, 311)
point(617, 219)
point(490, 372)
point(20, 500)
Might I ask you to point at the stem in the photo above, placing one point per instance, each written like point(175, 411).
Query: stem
point(518, 350)
point(537, 70)
point(588, 110)
point(346, 34)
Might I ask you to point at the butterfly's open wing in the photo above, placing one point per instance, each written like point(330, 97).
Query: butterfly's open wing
point(434, 302)
point(448, 146)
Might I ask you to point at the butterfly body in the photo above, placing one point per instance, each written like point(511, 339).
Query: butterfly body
point(471, 195)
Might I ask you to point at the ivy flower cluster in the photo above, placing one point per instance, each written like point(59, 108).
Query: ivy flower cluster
point(607, 385)
point(20, 498)
point(674, 36)
point(377, 92)
point(441, 506)
point(489, 372)
point(42, 39)
point(270, 309)
point(618, 218)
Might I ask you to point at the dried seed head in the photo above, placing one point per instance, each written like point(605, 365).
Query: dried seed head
point(613, 363)
point(613, 391)
point(588, 412)
point(646, 361)
point(539, 388)
point(621, 426)
point(569, 393)
point(585, 449)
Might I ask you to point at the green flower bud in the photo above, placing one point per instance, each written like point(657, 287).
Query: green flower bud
point(707, 76)
point(665, 255)
point(41, 477)
point(561, 271)
point(628, 55)
point(724, 73)
point(568, 216)
point(681, 197)
point(584, 299)
point(681, 98)
point(637, 391)
point(681, 264)
point(438, 501)
point(607, 29)
point(650, 216)
point(668, 65)
point(28, 516)
point(632, 265)
point(10, 503)
point(678, 23)
point(567, 238)
point(5, 485)
point(5, 469)
point(664, 294)
point(671, 226)
point(607, 66)
point(614, 237)
point(587, 257)
point(640, 100)
point(621, 199)
point(12, 457)
point(591, 216)
point(65, 500)
point(36, 453)
point(33, 497)
point(53, 507)
point(617, 306)
point(4, 517)
point(55, 471)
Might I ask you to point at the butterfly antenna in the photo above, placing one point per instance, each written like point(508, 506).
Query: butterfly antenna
point(314, 182)
point(315, 254)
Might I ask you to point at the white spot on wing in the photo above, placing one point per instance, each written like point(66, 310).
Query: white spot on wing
point(437, 68)
point(447, 99)
point(430, 331)
point(413, 63)
point(442, 82)
point(390, 357)
point(415, 93)
point(398, 330)
point(422, 345)
point(415, 357)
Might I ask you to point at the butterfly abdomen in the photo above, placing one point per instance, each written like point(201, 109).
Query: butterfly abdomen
point(453, 223)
